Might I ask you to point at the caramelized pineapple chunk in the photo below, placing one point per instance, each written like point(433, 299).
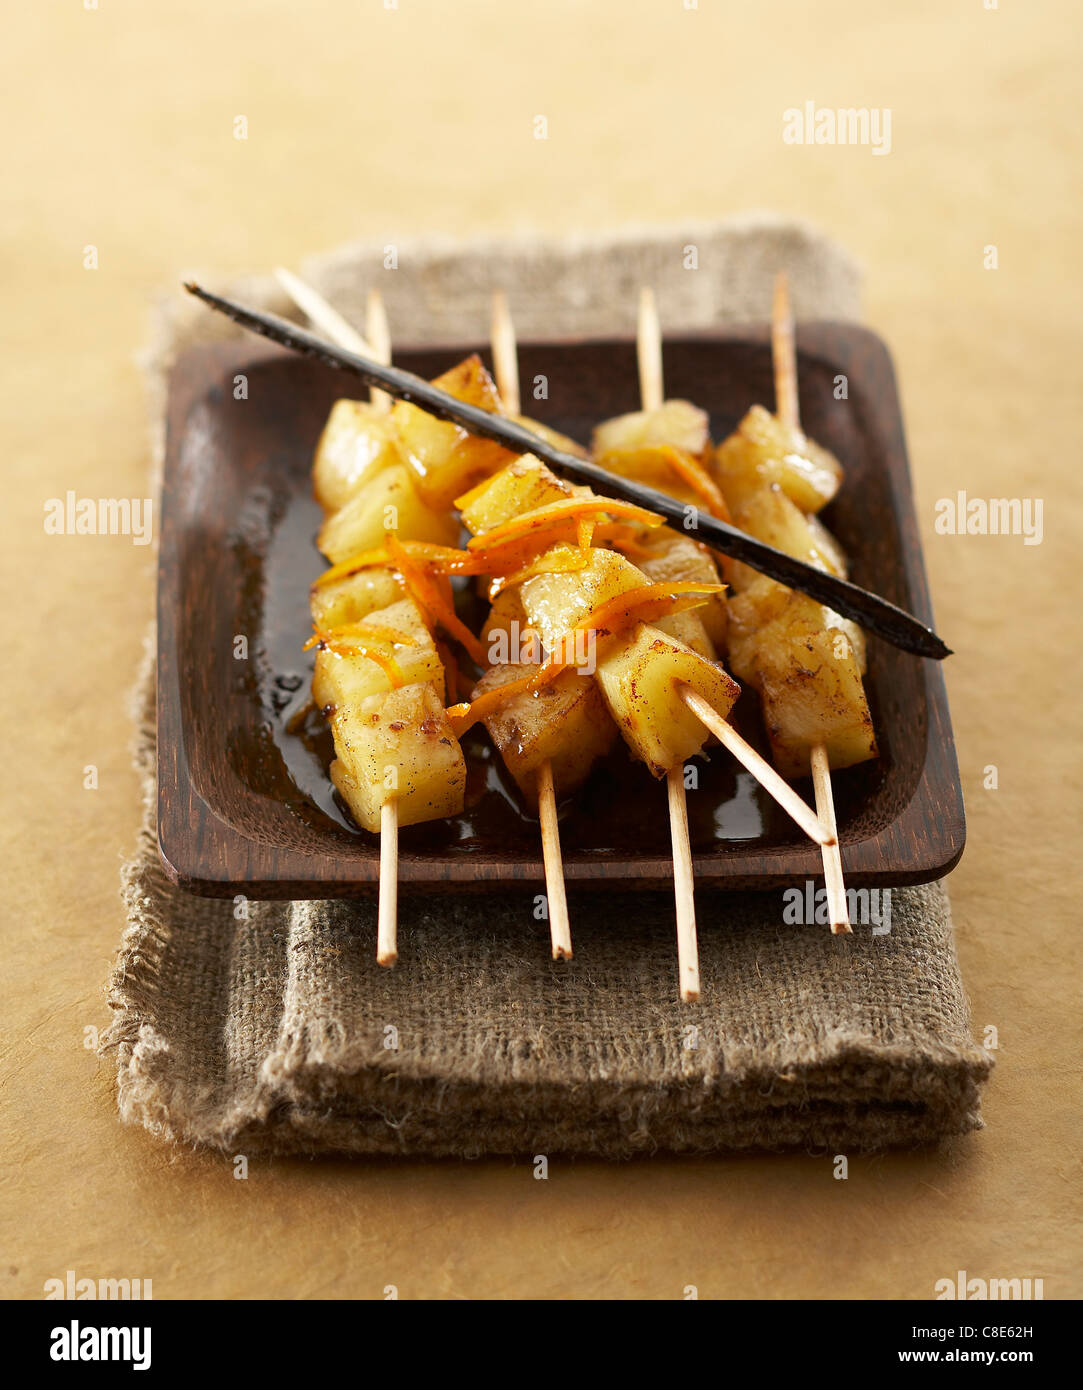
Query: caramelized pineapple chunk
point(807, 662)
point(402, 653)
point(507, 635)
point(356, 443)
point(652, 465)
point(772, 517)
point(554, 603)
point(767, 609)
point(389, 502)
point(688, 628)
point(523, 486)
point(640, 681)
point(762, 450)
point(352, 599)
point(676, 422)
point(398, 745)
point(446, 459)
point(813, 694)
point(674, 558)
point(828, 546)
point(565, 723)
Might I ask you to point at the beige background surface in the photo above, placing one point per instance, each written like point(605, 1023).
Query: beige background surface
point(385, 123)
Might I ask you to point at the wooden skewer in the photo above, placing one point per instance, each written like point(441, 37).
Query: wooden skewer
point(651, 395)
point(379, 335)
point(323, 316)
point(387, 922)
point(815, 828)
point(560, 932)
point(378, 346)
point(505, 353)
point(506, 366)
point(683, 888)
point(784, 356)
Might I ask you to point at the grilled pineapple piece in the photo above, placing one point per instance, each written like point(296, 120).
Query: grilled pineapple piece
point(640, 681)
point(398, 745)
point(565, 723)
point(688, 628)
point(554, 603)
point(812, 694)
point(768, 605)
point(771, 516)
point(523, 486)
point(828, 546)
point(446, 459)
point(389, 502)
point(356, 443)
point(671, 557)
point(651, 465)
point(507, 635)
point(763, 450)
point(403, 653)
point(352, 599)
point(675, 422)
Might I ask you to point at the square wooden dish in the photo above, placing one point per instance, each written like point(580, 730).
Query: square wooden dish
point(244, 806)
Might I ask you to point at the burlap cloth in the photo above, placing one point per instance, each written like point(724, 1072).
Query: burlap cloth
point(280, 1033)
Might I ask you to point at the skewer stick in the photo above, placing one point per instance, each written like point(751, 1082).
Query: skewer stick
point(651, 395)
point(506, 365)
point(683, 887)
point(328, 320)
point(815, 828)
point(387, 947)
point(505, 353)
point(784, 355)
point(560, 932)
point(379, 335)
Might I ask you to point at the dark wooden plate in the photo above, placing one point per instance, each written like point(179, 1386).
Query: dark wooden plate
point(245, 806)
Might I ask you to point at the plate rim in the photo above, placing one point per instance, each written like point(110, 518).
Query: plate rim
point(839, 343)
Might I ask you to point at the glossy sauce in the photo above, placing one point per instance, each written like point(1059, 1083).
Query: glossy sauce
point(620, 810)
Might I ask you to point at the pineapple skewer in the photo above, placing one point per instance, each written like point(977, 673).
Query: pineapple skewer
point(784, 358)
point(506, 367)
point(331, 322)
point(649, 361)
point(649, 351)
point(387, 912)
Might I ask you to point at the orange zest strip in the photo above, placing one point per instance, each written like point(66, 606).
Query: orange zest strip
point(442, 558)
point(553, 513)
point(643, 603)
point(356, 646)
point(437, 605)
point(691, 471)
point(685, 465)
point(627, 539)
point(389, 634)
point(633, 606)
point(464, 716)
point(558, 560)
point(474, 493)
point(363, 560)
